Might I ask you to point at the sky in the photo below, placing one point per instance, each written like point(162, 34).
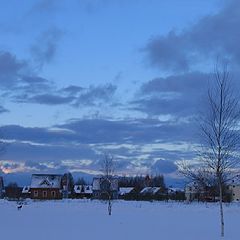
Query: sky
point(81, 78)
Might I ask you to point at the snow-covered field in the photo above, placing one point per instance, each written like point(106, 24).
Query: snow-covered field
point(88, 220)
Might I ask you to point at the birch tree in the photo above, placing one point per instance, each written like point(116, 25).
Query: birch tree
point(219, 133)
point(107, 169)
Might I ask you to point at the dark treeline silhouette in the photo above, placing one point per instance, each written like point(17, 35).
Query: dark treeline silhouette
point(142, 181)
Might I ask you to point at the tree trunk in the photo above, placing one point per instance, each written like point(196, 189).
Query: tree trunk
point(221, 208)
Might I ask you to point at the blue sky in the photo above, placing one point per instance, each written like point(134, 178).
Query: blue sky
point(83, 77)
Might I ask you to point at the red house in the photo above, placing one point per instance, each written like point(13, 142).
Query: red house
point(46, 186)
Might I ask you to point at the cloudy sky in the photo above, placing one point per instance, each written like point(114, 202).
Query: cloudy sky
point(83, 77)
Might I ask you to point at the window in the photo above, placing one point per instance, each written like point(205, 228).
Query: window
point(44, 194)
point(35, 193)
point(53, 194)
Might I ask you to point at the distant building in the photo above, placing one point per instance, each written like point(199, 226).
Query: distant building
point(123, 191)
point(1, 187)
point(151, 191)
point(46, 186)
point(26, 192)
point(83, 191)
point(102, 187)
point(192, 191)
point(13, 192)
point(234, 189)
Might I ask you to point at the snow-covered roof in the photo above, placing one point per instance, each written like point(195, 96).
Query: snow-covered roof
point(46, 181)
point(26, 189)
point(150, 190)
point(173, 190)
point(125, 190)
point(83, 189)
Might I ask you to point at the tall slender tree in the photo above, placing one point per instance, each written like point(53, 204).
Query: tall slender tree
point(107, 169)
point(219, 133)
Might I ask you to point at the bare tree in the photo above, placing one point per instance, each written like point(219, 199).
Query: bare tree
point(107, 181)
point(220, 136)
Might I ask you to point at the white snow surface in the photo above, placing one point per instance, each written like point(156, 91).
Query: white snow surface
point(86, 219)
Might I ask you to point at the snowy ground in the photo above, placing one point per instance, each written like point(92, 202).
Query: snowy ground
point(82, 219)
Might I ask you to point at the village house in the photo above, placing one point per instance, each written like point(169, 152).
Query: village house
point(26, 193)
point(101, 187)
point(82, 191)
point(124, 191)
point(150, 191)
point(193, 192)
point(234, 189)
point(46, 186)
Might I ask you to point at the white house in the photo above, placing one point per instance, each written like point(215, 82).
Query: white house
point(234, 188)
point(83, 191)
point(101, 186)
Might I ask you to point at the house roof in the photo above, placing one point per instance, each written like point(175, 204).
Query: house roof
point(46, 181)
point(150, 190)
point(83, 189)
point(26, 189)
point(125, 190)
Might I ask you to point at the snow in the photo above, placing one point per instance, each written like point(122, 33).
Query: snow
point(125, 190)
point(86, 219)
point(83, 189)
point(26, 189)
point(46, 181)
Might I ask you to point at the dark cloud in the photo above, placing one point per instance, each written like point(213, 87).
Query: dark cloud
point(72, 89)
point(101, 131)
point(214, 35)
point(44, 6)
point(29, 87)
point(177, 95)
point(50, 99)
point(45, 48)
point(11, 70)
point(163, 166)
point(74, 96)
point(3, 110)
point(96, 94)
point(80, 144)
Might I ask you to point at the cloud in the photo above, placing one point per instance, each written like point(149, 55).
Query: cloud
point(95, 95)
point(11, 70)
point(3, 110)
point(75, 96)
point(212, 36)
point(44, 6)
point(79, 144)
point(50, 99)
point(164, 167)
point(72, 89)
point(29, 87)
point(45, 48)
point(177, 95)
